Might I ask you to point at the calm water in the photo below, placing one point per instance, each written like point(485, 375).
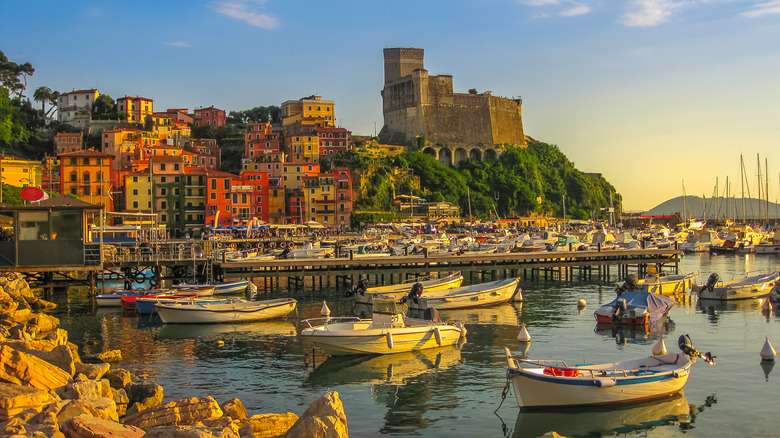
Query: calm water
point(451, 392)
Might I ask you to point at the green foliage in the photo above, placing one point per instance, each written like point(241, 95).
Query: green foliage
point(104, 108)
point(13, 76)
point(258, 114)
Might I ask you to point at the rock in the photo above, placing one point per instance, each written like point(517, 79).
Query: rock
point(21, 315)
point(61, 356)
point(143, 396)
point(86, 389)
point(118, 377)
point(25, 369)
point(85, 426)
point(182, 412)
point(93, 371)
point(37, 344)
point(30, 424)
point(100, 407)
point(191, 432)
point(110, 356)
point(59, 336)
point(324, 418)
point(15, 399)
point(40, 304)
point(234, 409)
point(43, 323)
point(121, 400)
point(268, 425)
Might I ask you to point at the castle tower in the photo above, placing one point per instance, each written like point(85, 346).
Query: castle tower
point(401, 61)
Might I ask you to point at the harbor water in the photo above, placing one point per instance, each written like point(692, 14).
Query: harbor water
point(453, 392)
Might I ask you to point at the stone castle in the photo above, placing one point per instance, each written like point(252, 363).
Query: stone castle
point(419, 106)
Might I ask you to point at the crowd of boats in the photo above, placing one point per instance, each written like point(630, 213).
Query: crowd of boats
point(405, 317)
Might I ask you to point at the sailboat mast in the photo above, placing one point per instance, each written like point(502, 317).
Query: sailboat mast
point(758, 161)
point(685, 208)
point(742, 180)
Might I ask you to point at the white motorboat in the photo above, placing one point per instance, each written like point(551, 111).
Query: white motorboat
point(482, 294)
point(388, 331)
point(754, 286)
point(554, 384)
point(226, 310)
point(365, 295)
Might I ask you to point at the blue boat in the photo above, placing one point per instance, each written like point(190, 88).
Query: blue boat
point(224, 287)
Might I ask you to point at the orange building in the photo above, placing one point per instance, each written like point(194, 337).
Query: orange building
point(69, 142)
point(260, 140)
point(88, 175)
point(136, 108)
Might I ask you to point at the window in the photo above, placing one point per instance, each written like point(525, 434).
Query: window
point(227, 184)
point(73, 177)
point(213, 184)
point(86, 190)
point(86, 161)
point(163, 179)
point(73, 191)
point(163, 218)
point(163, 205)
point(162, 166)
point(163, 192)
point(214, 196)
point(73, 161)
point(135, 204)
point(135, 192)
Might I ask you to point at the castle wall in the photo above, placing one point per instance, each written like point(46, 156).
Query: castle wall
point(506, 120)
point(466, 120)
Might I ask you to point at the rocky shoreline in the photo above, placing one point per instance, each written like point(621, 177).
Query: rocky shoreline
point(48, 390)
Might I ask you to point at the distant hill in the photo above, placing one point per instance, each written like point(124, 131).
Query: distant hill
point(716, 208)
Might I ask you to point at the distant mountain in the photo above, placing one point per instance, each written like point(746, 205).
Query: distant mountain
point(716, 208)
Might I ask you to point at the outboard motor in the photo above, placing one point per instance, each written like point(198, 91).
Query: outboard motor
point(415, 293)
point(361, 287)
point(712, 281)
point(686, 346)
point(630, 283)
point(620, 310)
point(431, 314)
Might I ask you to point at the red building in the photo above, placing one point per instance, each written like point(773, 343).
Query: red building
point(209, 117)
point(259, 206)
point(260, 140)
point(69, 142)
point(219, 209)
point(334, 140)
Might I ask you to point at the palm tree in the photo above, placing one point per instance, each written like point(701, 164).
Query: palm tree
point(43, 95)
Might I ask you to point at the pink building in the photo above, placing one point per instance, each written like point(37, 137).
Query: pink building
point(209, 117)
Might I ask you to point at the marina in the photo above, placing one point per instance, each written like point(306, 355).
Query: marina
point(271, 369)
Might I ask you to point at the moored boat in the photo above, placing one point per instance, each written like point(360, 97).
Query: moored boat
point(365, 295)
point(227, 310)
point(475, 295)
point(113, 298)
point(223, 287)
point(388, 331)
point(635, 308)
point(145, 305)
point(754, 286)
point(554, 384)
point(659, 283)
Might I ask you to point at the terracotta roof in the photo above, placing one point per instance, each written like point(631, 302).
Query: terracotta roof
point(85, 153)
point(91, 90)
point(66, 201)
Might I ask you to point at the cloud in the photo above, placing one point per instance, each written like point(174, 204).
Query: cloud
point(178, 44)
point(648, 13)
point(761, 9)
point(572, 7)
point(248, 11)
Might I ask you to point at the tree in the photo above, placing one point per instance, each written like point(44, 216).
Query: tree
point(13, 76)
point(104, 108)
point(43, 95)
point(472, 91)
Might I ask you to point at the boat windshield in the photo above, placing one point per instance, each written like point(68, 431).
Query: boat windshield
point(384, 305)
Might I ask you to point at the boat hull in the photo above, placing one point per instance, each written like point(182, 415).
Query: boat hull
point(399, 291)
point(236, 311)
point(744, 289)
point(478, 295)
point(358, 338)
point(562, 387)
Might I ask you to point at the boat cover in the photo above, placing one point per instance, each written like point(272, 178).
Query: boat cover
point(638, 299)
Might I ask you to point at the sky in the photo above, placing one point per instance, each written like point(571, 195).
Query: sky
point(659, 96)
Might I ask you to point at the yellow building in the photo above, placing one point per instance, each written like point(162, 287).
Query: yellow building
point(276, 200)
point(320, 194)
point(87, 174)
point(20, 173)
point(137, 108)
point(138, 192)
point(293, 173)
point(162, 125)
point(303, 147)
point(305, 115)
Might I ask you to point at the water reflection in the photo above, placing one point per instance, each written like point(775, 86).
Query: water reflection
point(225, 331)
point(385, 369)
point(636, 334)
point(613, 420)
point(767, 366)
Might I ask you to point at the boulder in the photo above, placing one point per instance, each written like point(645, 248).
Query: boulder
point(324, 418)
point(39, 305)
point(118, 377)
point(21, 315)
point(15, 399)
point(25, 369)
point(142, 396)
point(30, 424)
point(234, 409)
point(191, 432)
point(93, 371)
point(186, 411)
point(61, 356)
point(43, 323)
point(85, 426)
point(100, 407)
point(59, 336)
point(110, 356)
point(86, 389)
point(37, 344)
point(268, 425)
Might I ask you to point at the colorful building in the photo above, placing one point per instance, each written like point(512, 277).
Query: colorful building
point(20, 172)
point(137, 108)
point(69, 142)
point(260, 140)
point(88, 175)
point(210, 116)
point(334, 140)
point(303, 147)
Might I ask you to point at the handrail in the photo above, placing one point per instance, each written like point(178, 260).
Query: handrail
point(329, 320)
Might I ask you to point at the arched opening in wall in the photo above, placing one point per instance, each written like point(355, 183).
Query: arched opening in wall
point(460, 155)
point(431, 152)
point(490, 154)
point(445, 157)
point(475, 154)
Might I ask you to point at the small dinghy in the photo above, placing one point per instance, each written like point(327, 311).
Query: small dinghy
point(754, 286)
point(476, 295)
point(364, 294)
point(634, 308)
point(554, 384)
point(388, 331)
point(219, 288)
point(210, 311)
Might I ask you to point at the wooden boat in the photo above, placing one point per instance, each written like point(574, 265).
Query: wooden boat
point(388, 331)
point(224, 287)
point(482, 294)
point(656, 283)
point(227, 310)
point(145, 305)
point(635, 308)
point(365, 295)
point(755, 286)
point(554, 384)
point(113, 298)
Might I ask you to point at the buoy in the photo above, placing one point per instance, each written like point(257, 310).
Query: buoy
point(220, 343)
point(518, 296)
point(767, 352)
point(325, 310)
point(389, 337)
point(659, 348)
point(524, 336)
point(437, 335)
point(581, 303)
